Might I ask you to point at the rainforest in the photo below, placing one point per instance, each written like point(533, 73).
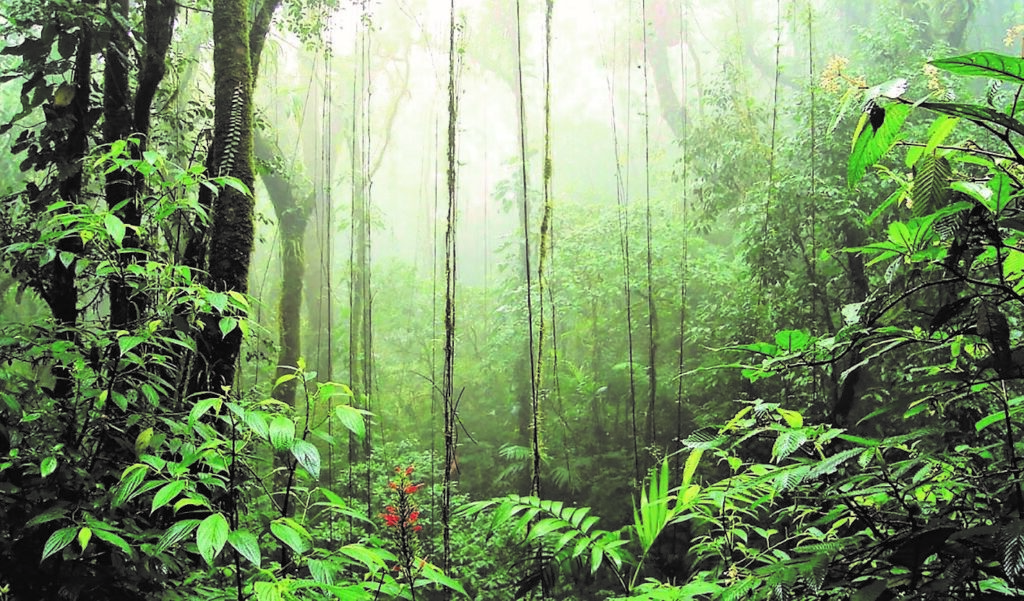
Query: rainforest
point(511, 299)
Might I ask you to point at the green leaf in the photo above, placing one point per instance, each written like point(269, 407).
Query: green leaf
point(432, 574)
point(115, 540)
point(792, 340)
point(202, 407)
point(175, 533)
point(51, 514)
point(793, 418)
point(211, 536)
point(291, 534)
point(127, 343)
point(84, 536)
point(1011, 549)
point(976, 113)
point(308, 457)
point(167, 494)
point(282, 432)
point(48, 466)
point(871, 144)
point(58, 540)
point(131, 478)
point(246, 544)
point(257, 421)
point(267, 591)
point(930, 191)
point(115, 227)
point(352, 419)
point(227, 325)
point(985, 64)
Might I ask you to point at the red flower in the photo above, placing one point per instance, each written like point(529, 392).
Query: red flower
point(411, 488)
point(417, 528)
point(408, 470)
point(414, 516)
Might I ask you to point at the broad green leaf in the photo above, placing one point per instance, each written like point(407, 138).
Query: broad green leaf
point(84, 536)
point(285, 530)
point(373, 559)
point(267, 591)
point(871, 144)
point(58, 540)
point(227, 325)
point(352, 419)
point(930, 191)
point(308, 457)
point(327, 390)
point(142, 441)
point(976, 113)
point(202, 407)
point(321, 571)
point(793, 418)
point(432, 574)
point(177, 532)
point(115, 540)
point(167, 494)
point(51, 514)
point(211, 536)
point(115, 227)
point(985, 64)
point(282, 432)
point(246, 544)
point(217, 300)
point(792, 340)
point(48, 466)
point(131, 478)
point(127, 343)
point(257, 421)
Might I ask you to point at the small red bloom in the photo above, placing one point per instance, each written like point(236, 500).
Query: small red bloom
point(414, 516)
point(417, 528)
point(411, 488)
point(392, 484)
point(408, 470)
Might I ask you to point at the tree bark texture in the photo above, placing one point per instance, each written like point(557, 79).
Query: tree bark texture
point(232, 227)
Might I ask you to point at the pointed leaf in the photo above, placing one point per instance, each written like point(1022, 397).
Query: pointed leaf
point(175, 533)
point(48, 466)
point(308, 457)
point(211, 536)
point(167, 494)
point(58, 540)
point(352, 419)
point(285, 531)
point(282, 432)
point(84, 536)
point(246, 544)
point(985, 64)
point(115, 540)
point(115, 227)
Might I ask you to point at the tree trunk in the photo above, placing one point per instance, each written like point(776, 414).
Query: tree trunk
point(232, 228)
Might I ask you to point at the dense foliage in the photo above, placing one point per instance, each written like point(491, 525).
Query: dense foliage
point(786, 365)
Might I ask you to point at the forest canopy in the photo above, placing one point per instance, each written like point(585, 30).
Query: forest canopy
point(506, 299)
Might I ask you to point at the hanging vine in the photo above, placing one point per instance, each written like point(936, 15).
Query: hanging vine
point(524, 182)
point(771, 156)
point(684, 259)
point(447, 387)
point(622, 200)
point(652, 373)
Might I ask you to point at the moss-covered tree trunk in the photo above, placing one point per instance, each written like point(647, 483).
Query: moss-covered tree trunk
point(232, 228)
point(292, 212)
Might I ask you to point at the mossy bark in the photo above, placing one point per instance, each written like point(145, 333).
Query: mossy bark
point(232, 228)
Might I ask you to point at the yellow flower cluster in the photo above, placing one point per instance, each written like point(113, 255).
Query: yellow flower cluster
point(931, 72)
point(833, 77)
point(1013, 34)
